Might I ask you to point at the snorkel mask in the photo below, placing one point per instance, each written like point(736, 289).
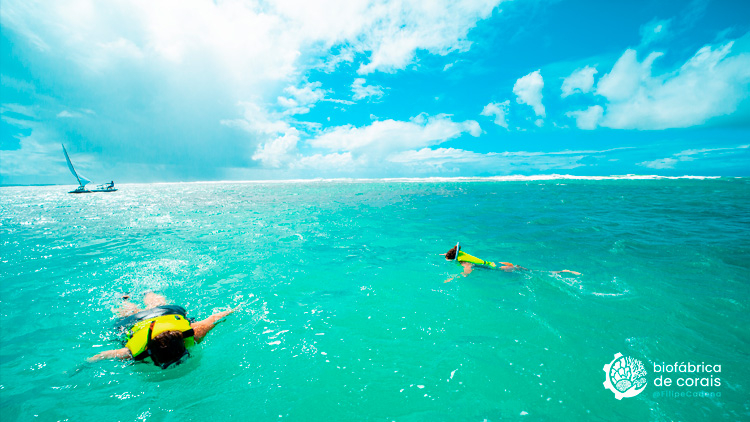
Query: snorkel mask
point(458, 248)
point(175, 362)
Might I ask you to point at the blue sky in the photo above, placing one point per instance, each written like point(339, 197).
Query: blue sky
point(237, 90)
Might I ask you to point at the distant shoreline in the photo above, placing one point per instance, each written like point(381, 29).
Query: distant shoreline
point(33, 184)
point(514, 178)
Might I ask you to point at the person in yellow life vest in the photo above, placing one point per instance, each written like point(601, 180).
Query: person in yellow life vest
point(160, 332)
point(468, 262)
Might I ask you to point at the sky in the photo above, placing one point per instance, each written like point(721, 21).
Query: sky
point(194, 90)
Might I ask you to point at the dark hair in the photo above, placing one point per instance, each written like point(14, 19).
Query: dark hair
point(451, 254)
point(167, 348)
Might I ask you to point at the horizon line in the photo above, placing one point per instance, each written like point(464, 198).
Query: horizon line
point(434, 179)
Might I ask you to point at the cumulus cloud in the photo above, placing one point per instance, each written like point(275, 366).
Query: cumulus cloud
point(582, 80)
point(388, 33)
point(190, 61)
point(711, 83)
point(399, 29)
point(384, 137)
point(626, 76)
point(587, 119)
point(278, 138)
point(348, 146)
point(499, 110)
point(300, 100)
point(362, 91)
point(278, 151)
point(338, 162)
point(528, 89)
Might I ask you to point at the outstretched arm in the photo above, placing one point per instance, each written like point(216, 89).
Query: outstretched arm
point(201, 328)
point(468, 268)
point(123, 354)
point(566, 271)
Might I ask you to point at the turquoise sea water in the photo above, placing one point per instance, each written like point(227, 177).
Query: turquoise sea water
point(347, 315)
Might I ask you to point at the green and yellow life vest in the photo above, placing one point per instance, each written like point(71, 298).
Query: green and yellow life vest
point(140, 334)
point(464, 257)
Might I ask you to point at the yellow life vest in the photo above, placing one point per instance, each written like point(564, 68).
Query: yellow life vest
point(140, 334)
point(464, 257)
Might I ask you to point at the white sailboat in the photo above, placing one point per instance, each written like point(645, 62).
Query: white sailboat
point(83, 181)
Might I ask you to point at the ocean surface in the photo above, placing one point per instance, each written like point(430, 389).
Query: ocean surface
point(347, 315)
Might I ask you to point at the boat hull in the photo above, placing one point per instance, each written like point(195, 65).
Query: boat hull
point(93, 191)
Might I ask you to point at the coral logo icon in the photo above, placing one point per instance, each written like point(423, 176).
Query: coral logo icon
point(626, 376)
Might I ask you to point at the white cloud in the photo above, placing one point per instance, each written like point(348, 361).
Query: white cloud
point(387, 136)
point(362, 91)
point(242, 49)
point(582, 80)
point(300, 100)
point(587, 119)
point(334, 162)
point(664, 163)
point(278, 151)
point(692, 155)
point(68, 114)
point(626, 76)
point(499, 110)
point(440, 160)
point(278, 139)
point(189, 61)
point(399, 29)
point(712, 83)
point(528, 89)
point(308, 94)
point(437, 157)
point(349, 146)
point(258, 120)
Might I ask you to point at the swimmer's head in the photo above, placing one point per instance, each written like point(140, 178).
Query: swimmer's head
point(451, 254)
point(167, 348)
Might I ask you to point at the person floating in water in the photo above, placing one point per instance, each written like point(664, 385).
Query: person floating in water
point(469, 262)
point(161, 332)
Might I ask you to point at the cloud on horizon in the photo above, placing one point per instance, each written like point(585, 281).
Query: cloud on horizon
point(164, 61)
point(198, 89)
point(695, 154)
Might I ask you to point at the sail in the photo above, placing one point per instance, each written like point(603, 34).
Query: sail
point(81, 179)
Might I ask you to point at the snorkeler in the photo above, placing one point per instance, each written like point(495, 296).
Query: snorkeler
point(161, 332)
point(469, 262)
